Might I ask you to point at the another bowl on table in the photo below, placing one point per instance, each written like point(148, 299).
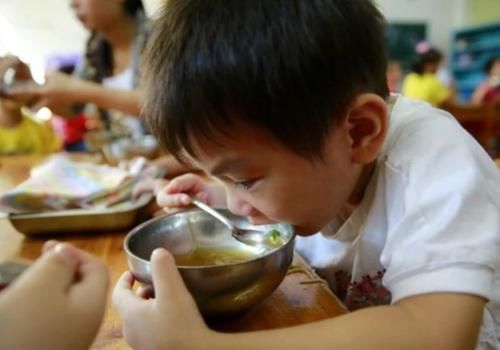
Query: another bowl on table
point(224, 275)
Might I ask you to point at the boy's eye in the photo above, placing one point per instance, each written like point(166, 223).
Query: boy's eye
point(244, 184)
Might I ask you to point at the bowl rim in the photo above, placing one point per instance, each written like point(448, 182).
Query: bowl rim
point(136, 229)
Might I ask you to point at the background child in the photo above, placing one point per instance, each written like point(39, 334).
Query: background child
point(489, 90)
point(285, 105)
point(20, 133)
point(422, 83)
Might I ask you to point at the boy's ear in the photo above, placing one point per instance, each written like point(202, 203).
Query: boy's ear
point(368, 123)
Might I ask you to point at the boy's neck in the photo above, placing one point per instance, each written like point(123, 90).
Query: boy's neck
point(10, 118)
point(359, 190)
point(366, 173)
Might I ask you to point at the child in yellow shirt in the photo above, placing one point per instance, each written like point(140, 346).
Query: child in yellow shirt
point(20, 133)
point(422, 83)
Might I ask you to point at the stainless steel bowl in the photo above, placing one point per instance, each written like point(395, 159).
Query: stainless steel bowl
point(217, 289)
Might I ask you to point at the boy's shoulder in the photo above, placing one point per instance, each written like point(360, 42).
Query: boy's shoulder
point(429, 142)
point(416, 126)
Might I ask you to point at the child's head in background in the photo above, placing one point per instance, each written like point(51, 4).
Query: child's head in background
point(492, 69)
point(12, 71)
point(284, 101)
point(428, 58)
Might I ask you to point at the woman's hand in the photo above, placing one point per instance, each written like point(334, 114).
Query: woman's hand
point(60, 90)
point(169, 321)
point(58, 303)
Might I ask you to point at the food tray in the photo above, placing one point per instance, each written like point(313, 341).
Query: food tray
point(115, 218)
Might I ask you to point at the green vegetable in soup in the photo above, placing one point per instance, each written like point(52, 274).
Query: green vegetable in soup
point(274, 238)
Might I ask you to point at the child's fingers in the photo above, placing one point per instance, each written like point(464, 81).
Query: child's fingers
point(166, 200)
point(167, 280)
point(54, 271)
point(93, 280)
point(187, 183)
point(49, 245)
point(123, 295)
point(145, 292)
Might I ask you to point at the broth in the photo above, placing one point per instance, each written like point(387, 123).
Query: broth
point(213, 256)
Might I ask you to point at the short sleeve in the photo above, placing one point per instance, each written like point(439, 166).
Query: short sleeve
point(52, 142)
point(441, 92)
point(444, 231)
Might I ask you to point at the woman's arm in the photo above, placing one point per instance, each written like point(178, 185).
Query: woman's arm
point(478, 95)
point(122, 100)
point(61, 91)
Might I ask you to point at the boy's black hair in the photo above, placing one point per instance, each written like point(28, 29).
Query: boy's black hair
point(489, 64)
point(433, 56)
point(289, 66)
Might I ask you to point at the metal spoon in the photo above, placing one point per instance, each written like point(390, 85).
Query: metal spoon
point(250, 237)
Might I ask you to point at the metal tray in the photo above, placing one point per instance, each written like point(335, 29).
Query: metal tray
point(116, 218)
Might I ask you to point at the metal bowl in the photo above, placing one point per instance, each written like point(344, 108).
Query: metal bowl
point(219, 289)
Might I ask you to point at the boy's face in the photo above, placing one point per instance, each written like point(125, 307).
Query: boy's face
point(267, 182)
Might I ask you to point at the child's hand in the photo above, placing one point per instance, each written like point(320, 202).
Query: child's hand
point(176, 195)
point(171, 320)
point(58, 303)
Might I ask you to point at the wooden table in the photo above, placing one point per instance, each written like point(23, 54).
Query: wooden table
point(301, 298)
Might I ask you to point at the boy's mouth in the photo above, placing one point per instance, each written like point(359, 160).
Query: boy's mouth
point(259, 220)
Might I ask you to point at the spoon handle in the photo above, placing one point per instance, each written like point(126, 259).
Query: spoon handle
point(212, 212)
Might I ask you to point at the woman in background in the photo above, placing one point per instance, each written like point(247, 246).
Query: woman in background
point(422, 83)
point(489, 89)
point(108, 77)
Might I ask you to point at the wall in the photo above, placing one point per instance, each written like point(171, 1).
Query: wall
point(42, 27)
point(484, 11)
point(442, 16)
point(33, 29)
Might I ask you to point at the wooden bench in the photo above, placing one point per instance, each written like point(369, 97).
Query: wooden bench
point(482, 121)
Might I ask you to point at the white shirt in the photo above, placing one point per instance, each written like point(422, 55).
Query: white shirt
point(124, 81)
point(429, 221)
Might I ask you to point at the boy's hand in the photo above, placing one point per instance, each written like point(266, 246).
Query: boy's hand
point(58, 303)
point(176, 194)
point(171, 320)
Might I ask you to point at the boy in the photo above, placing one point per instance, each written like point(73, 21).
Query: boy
point(19, 132)
point(285, 104)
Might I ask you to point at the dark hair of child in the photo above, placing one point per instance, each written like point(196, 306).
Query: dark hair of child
point(291, 67)
point(490, 63)
point(432, 56)
point(99, 52)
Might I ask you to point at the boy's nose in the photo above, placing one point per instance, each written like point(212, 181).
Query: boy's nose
point(238, 206)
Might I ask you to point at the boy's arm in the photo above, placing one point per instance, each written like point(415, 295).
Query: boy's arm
point(439, 321)
point(432, 321)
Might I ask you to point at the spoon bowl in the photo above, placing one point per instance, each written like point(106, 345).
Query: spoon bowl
point(251, 235)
